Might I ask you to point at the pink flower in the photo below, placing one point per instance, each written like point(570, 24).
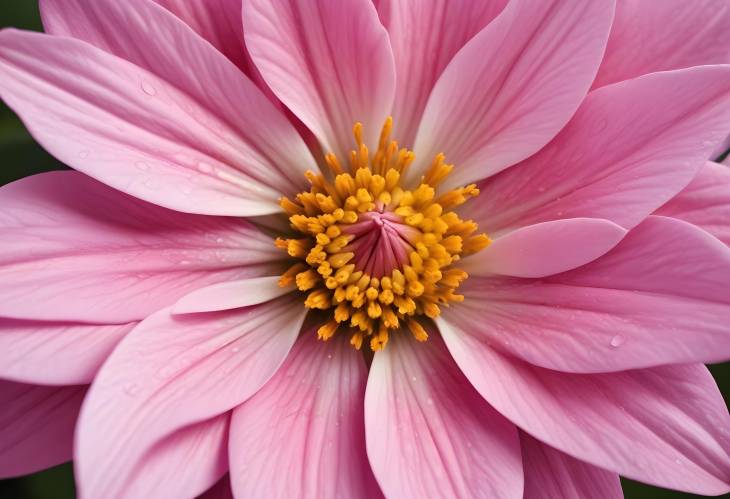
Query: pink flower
point(195, 343)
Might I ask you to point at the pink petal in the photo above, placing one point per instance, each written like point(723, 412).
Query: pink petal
point(429, 434)
point(36, 426)
point(308, 421)
point(171, 372)
point(88, 253)
point(659, 297)
point(193, 135)
point(546, 248)
point(550, 474)
point(667, 426)
point(705, 202)
point(184, 464)
point(630, 148)
point(650, 36)
point(722, 149)
point(513, 86)
point(54, 353)
point(329, 62)
point(425, 35)
point(221, 490)
point(229, 295)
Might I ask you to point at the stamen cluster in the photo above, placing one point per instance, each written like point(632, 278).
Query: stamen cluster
point(375, 284)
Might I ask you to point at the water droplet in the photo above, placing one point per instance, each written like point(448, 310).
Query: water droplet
point(429, 401)
point(142, 165)
point(83, 154)
point(148, 88)
point(413, 378)
point(205, 167)
point(617, 341)
point(329, 356)
point(131, 388)
point(184, 262)
point(235, 349)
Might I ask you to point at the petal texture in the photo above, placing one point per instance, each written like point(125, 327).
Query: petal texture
point(230, 295)
point(659, 36)
point(56, 353)
point(429, 434)
point(307, 421)
point(425, 36)
point(705, 202)
point(329, 61)
point(630, 148)
point(660, 297)
point(551, 474)
point(172, 372)
point(86, 252)
point(513, 86)
point(36, 426)
point(182, 127)
point(667, 426)
point(546, 248)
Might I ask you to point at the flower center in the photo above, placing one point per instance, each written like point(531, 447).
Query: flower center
point(375, 253)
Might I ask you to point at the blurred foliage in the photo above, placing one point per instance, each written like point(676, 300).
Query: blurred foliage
point(22, 157)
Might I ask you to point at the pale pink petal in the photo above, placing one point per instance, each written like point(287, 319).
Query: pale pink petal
point(705, 202)
point(513, 86)
point(425, 35)
point(551, 474)
point(36, 426)
point(307, 420)
point(666, 426)
point(193, 135)
point(660, 297)
point(231, 294)
point(546, 248)
point(630, 148)
point(429, 433)
point(171, 372)
point(329, 62)
point(649, 36)
point(56, 353)
point(184, 464)
point(221, 490)
point(85, 252)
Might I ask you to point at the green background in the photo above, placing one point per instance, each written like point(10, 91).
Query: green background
point(20, 157)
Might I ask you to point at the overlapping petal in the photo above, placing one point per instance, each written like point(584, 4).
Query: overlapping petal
point(665, 426)
point(551, 474)
point(179, 126)
point(513, 86)
point(36, 426)
point(630, 148)
point(88, 253)
point(329, 61)
point(649, 36)
point(660, 297)
point(172, 372)
point(429, 434)
point(307, 420)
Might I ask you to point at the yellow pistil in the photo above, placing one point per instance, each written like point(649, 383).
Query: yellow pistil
point(373, 306)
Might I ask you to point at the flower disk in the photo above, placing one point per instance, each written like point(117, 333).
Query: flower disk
point(377, 253)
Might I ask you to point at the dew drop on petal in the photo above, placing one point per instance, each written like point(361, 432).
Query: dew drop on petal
point(148, 88)
point(141, 165)
point(205, 167)
point(83, 154)
point(617, 341)
point(131, 389)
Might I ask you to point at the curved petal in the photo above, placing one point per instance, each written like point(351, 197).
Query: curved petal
point(425, 35)
point(221, 490)
point(53, 353)
point(88, 253)
point(184, 464)
point(36, 426)
point(630, 148)
point(230, 295)
point(429, 434)
point(650, 36)
point(192, 134)
point(513, 86)
point(307, 420)
point(550, 474)
point(659, 297)
point(329, 62)
point(666, 426)
point(546, 248)
point(705, 202)
point(171, 372)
